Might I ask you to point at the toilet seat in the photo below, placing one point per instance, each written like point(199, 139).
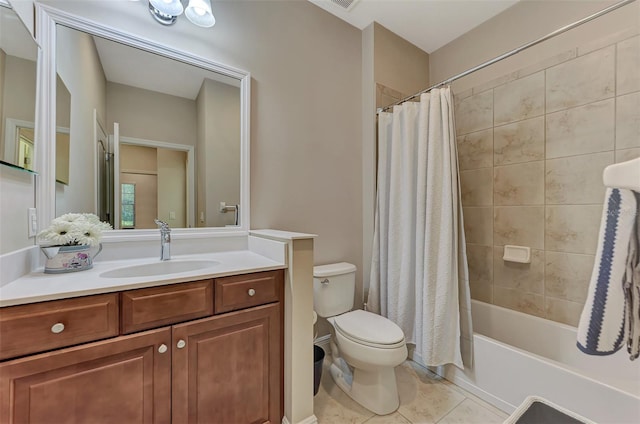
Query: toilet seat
point(369, 329)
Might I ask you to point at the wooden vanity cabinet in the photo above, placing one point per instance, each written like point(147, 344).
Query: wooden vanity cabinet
point(121, 380)
point(223, 368)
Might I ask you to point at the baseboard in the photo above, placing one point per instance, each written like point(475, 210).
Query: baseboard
point(324, 342)
point(312, 419)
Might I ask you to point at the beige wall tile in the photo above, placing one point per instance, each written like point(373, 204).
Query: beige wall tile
point(572, 228)
point(567, 275)
point(520, 184)
point(627, 154)
point(476, 187)
point(475, 113)
point(576, 179)
point(519, 225)
point(480, 259)
point(585, 129)
point(519, 142)
point(628, 77)
point(523, 277)
point(547, 63)
point(628, 120)
point(481, 290)
point(607, 40)
point(563, 311)
point(495, 82)
point(478, 225)
point(460, 95)
point(582, 80)
point(475, 150)
point(529, 303)
point(519, 99)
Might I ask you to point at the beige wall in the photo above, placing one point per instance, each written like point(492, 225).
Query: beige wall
point(398, 64)
point(219, 174)
point(18, 194)
point(3, 57)
point(306, 92)
point(19, 89)
point(150, 115)
point(201, 169)
point(172, 181)
point(79, 67)
point(18, 99)
point(533, 143)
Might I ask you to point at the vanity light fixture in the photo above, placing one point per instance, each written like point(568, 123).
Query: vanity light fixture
point(197, 11)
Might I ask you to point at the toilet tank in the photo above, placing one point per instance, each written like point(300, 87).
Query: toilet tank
point(333, 288)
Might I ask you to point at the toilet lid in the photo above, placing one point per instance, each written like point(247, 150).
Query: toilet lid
point(370, 328)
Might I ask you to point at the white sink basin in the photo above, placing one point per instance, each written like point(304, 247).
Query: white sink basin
point(159, 268)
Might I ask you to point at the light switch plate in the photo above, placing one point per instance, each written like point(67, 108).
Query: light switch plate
point(32, 222)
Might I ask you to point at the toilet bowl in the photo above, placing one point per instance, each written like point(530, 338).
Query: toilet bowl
point(365, 347)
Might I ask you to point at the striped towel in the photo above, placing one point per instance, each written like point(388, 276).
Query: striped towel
point(610, 315)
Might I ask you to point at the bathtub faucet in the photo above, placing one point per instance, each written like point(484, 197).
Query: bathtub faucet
point(165, 240)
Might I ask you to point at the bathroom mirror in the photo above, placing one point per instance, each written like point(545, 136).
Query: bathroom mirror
point(18, 59)
point(154, 132)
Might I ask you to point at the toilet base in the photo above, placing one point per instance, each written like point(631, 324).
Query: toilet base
point(375, 390)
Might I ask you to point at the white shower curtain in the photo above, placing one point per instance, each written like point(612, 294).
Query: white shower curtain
point(419, 276)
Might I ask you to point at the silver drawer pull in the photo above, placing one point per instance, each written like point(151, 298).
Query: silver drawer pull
point(251, 292)
point(162, 348)
point(181, 344)
point(57, 328)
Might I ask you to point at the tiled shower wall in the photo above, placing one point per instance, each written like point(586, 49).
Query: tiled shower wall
point(532, 148)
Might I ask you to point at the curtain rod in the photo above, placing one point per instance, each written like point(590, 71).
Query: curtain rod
point(512, 52)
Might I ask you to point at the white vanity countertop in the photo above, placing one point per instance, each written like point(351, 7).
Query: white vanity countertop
point(38, 286)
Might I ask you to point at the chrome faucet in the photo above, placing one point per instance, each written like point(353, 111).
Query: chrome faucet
point(165, 240)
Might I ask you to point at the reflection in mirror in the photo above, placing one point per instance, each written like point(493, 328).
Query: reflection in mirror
point(63, 120)
point(18, 55)
point(150, 137)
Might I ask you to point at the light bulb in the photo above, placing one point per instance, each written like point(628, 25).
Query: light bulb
point(199, 13)
point(168, 7)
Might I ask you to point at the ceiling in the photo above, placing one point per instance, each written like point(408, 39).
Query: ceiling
point(428, 24)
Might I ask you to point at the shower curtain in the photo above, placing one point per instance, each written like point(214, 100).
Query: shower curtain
point(419, 276)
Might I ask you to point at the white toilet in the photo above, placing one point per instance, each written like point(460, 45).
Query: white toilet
point(371, 345)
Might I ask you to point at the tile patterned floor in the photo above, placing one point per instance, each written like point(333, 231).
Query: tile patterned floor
point(424, 398)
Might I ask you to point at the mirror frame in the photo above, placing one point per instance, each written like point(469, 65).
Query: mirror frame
point(47, 18)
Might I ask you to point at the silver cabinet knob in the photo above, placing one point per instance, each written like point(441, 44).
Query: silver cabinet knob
point(181, 344)
point(162, 348)
point(251, 292)
point(57, 328)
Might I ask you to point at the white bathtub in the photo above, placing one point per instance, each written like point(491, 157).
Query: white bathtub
point(517, 355)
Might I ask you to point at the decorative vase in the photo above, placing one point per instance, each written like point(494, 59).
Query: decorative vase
point(62, 259)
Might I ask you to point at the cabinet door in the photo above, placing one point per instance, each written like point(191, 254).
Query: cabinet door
point(228, 368)
point(122, 380)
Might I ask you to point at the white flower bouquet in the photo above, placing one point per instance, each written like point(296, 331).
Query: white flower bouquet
point(74, 229)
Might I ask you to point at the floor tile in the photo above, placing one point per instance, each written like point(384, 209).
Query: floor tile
point(334, 406)
point(469, 412)
point(425, 397)
point(395, 418)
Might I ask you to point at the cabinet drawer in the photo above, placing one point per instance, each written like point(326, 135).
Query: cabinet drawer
point(157, 306)
point(244, 291)
point(43, 326)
